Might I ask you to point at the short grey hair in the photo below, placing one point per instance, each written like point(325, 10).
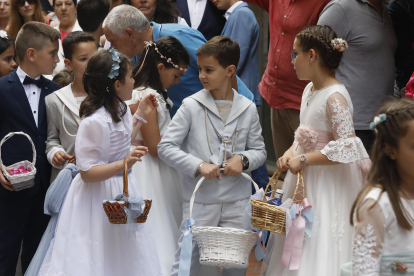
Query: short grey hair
point(125, 16)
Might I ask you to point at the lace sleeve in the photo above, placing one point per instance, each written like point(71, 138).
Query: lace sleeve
point(368, 239)
point(347, 147)
point(92, 143)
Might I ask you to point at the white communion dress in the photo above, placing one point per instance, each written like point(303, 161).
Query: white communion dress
point(326, 121)
point(162, 184)
point(85, 242)
point(381, 245)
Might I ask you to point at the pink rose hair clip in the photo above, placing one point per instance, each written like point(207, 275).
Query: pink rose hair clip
point(339, 44)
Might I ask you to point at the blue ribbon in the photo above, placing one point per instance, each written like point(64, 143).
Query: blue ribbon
point(136, 206)
point(258, 252)
point(308, 214)
point(186, 250)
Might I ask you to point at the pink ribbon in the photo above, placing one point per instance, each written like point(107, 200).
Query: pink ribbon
point(260, 243)
point(292, 250)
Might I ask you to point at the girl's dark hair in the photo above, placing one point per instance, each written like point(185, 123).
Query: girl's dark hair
point(100, 88)
point(165, 13)
point(319, 39)
point(5, 43)
point(400, 113)
point(168, 46)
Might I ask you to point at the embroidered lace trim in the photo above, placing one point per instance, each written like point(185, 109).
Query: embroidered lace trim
point(345, 150)
point(364, 246)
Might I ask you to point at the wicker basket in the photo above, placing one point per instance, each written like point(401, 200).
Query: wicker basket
point(223, 247)
point(115, 209)
point(270, 217)
point(25, 180)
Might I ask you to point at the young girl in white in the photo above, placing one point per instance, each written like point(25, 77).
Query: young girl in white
point(383, 214)
point(155, 72)
point(62, 106)
point(325, 150)
point(85, 242)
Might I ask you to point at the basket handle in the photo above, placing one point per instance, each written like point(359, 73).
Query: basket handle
point(126, 178)
point(299, 193)
point(72, 160)
point(275, 176)
point(8, 136)
point(245, 175)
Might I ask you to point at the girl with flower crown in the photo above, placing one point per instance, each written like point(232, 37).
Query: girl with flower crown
point(161, 66)
point(329, 155)
point(85, 243)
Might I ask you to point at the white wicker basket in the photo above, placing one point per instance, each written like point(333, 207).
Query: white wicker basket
point(24, 180)
point(220, 246)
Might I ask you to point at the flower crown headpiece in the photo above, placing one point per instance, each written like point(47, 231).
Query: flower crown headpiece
point(339, 44)
point(116, 60)
point(151, 43)
point(377, 120)
point(3, 34)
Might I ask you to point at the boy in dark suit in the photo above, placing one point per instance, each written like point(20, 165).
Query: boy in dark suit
point(22, 108)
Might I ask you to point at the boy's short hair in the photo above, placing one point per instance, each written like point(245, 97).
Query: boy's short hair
point(34, 35)
point(91, 13)
point(72, 39)
point(64, 77)
point(222, 48)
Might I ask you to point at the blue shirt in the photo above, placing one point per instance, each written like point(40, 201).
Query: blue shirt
point(242, 27)
point(189, 83)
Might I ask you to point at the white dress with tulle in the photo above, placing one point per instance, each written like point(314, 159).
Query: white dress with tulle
point(162, 184)
point(381, 246)
point(331, 190)
point(85, 242)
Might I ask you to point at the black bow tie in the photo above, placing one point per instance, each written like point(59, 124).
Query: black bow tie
point(39, 83)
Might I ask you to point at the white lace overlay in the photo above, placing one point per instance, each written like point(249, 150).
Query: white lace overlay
point(338, 230)
point(347, 147)
point(364, 262)
point(345, 150)
point(46, 270)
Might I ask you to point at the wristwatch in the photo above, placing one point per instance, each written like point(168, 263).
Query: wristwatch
point(245, 162)
point(303, 159)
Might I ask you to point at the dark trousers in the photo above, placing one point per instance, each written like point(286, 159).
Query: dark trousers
point(21, 220)
point(261, 177)
point(367, 137)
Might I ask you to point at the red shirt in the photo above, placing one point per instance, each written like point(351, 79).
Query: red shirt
point(280, 86)
point(63, 34)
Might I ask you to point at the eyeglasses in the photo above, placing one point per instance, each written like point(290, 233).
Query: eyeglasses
point(294, 54)
point(21, 3)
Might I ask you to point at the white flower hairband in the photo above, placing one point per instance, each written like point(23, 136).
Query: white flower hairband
point(3, 34)
point(339, 44)
point(150, 43)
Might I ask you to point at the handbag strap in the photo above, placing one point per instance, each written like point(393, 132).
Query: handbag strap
point(126, 177)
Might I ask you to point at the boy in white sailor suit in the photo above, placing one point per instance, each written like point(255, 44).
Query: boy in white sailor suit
point(213, 129)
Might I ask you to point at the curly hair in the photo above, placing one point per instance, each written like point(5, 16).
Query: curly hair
point(100, 88)
point(319, 39)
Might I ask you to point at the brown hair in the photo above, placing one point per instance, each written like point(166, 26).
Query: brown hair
point(319, 39)
point(400, 113)
point(222, 48)
point(64, 77)
point(34, 35)
point(16, 20)
point(100, 88)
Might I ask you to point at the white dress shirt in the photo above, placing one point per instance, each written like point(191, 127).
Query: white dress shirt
point(196, 9)
point(32, 93)
point(231, 9)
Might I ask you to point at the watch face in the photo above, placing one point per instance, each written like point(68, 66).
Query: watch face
point(303, 158)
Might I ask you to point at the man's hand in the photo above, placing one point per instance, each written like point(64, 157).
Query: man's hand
point(234, 166)
point(209, 171)
point(60, 158)
point(6, 184)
